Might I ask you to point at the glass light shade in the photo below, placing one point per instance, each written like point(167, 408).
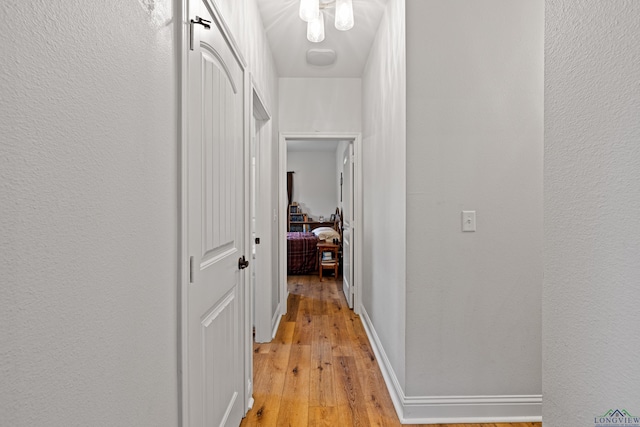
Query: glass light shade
point(315, 29)
point(344, 15)
point(309, 9)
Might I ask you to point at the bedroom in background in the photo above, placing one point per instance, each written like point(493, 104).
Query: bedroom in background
point(315, 196)
point(313, 213)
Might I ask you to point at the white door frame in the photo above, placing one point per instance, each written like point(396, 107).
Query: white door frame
point(262, 299)
point(347, 252)
point(357, 207)
point(183, 249)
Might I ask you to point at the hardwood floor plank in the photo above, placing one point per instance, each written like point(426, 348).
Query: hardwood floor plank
point(341, 344)
point(377, 399)
point(321, 381)
point(262, 348)
point(292, 310)
point(318, 292)
point(335, 301)
point(349, 392)
point(284, 335)
point(269, 376)
point(324, 416)
point(294, 403)
point(304, 322)
point(265, 408)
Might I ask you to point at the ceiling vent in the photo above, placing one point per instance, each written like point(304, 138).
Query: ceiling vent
point(321, 57)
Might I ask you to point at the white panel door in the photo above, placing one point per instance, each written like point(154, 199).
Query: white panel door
point(215, 222)
point(347, 230)
point(260, 281)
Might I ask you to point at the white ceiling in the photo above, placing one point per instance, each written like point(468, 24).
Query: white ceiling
point(287, 35)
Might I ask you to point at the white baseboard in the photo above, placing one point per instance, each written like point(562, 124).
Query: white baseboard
point(472, 409)
point(389, 375)
point(275, 322)
point(450, 409)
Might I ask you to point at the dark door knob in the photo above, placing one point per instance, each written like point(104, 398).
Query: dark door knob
point(242, 263)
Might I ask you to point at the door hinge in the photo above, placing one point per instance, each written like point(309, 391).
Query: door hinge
point(198, 21)
point(190, 269)
point(257, 240)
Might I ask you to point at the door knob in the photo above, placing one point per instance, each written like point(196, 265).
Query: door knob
point(242, 263)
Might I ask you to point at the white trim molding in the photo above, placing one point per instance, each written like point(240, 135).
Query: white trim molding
point(356, 137)
point(450, 409)
point(389, 375)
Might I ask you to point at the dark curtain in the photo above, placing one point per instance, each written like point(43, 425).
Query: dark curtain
point(290, 185)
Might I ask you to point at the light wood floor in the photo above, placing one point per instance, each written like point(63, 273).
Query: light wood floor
point(320, 369)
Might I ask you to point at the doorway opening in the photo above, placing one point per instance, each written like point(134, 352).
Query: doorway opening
point(326, 181)
point(265, 296)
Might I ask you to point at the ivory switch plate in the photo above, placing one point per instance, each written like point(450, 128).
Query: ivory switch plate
point(468, 220)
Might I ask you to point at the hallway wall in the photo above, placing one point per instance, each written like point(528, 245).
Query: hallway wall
point(89, 209)
point(320, 104)
point(474, 142)
point(591, 333)
point(456, 316)
point(314, 181)
point(384, 187)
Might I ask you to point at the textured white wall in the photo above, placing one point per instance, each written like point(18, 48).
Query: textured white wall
point(591, 325)
point(384, 185)
point(320, 105)
point(88, 208)
point(474, 142)
point(314, 181)
point(88, 211)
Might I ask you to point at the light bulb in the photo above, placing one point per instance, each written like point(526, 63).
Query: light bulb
point(309, 9)
point(344, 15)
point(315, 29)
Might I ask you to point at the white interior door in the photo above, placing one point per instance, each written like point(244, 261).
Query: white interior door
point(216, 217)
point(254, 200)
point(260, 223)
point(347, 230)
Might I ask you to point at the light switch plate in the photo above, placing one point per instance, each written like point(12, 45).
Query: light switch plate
point(468, 220)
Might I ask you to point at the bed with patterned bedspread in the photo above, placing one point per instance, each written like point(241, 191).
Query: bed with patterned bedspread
point(302, 253)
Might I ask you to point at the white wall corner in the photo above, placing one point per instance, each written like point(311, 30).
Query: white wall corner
point(450, 409)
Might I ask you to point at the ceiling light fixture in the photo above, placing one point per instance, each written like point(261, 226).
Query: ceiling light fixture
point(344, 15)
point(315, 29)
point(311, 11)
